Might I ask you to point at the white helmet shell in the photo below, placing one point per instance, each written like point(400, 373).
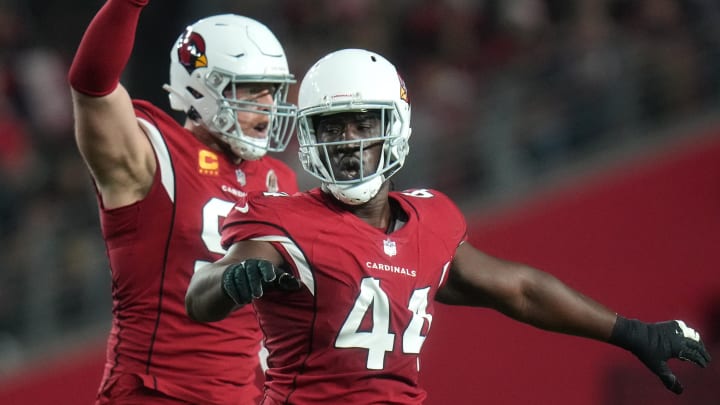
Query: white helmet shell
point(213, 55)
point(354, 80)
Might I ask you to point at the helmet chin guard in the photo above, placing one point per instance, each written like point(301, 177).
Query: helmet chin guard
point(355, 194)
point(210, 60)
point(248, 148)
point(354, 80)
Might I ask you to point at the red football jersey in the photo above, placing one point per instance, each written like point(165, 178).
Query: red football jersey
point(155, 245)
point(354, 333)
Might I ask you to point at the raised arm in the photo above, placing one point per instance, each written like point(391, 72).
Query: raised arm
point(115, 148)
point(221, 287)
point(539, 299)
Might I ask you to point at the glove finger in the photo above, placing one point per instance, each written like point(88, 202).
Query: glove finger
point(676, 387)
point(235, 284)
point(255, 277)
point(695, 354)
point(228, 283)
point(244, 284)
point(287, 281)
point(668, 378)
point(266, 271)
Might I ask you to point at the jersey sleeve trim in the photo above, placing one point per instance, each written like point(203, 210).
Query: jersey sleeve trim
point(163, 156)
point(443, 275)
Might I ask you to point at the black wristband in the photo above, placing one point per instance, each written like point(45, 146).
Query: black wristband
point(627, 333)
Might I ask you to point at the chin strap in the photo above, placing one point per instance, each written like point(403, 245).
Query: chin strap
point(356, 194)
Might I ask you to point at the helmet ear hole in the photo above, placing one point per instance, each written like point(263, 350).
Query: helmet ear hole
point(196, 94)
point(193, 114)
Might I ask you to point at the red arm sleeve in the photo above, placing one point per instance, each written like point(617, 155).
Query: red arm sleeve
point(105, 48)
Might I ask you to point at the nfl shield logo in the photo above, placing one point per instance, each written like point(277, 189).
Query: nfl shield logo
point(389, 247)
point(240, 176)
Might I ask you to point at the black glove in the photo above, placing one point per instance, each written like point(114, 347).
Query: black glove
point(655, 343)
point(244, 281)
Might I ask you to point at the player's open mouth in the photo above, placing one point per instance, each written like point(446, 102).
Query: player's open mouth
point(348, 168)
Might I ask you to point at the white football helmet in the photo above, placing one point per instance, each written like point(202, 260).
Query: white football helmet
point(214, 55)
point(354, 80)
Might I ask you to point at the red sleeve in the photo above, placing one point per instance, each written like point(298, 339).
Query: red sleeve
point(454, 217)
point(253, 215)
point(451, 225)
point(105, 48)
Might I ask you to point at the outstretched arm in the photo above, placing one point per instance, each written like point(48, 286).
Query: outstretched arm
point(221, 287)
point(113, 145)
point(539, 299)
point(523, 293)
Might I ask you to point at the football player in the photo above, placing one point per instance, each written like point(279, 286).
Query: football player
point(163, 187)
point(344, 276)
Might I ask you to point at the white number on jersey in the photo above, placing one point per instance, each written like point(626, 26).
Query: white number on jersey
point(213, 211)
point(413, 338)
point(380, 339)
point(377, 341)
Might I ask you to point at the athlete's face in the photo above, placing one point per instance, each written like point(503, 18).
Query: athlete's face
point(255, 125)
point(353, 152)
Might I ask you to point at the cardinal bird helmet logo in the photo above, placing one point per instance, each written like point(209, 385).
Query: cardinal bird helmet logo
point(403, 90)
point(191, 51)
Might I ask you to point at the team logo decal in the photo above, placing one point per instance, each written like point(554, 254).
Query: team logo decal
point(208, 163)
point(191, 51)
point(271, 181)
point(403, 90)
point(389, 247)
point(240, 176)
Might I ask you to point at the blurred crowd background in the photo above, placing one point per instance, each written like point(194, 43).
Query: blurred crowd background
point(507, 95)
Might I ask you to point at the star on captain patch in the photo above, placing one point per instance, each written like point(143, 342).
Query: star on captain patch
point(389, 247)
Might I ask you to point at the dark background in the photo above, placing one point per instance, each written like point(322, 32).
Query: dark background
point(512, 100)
